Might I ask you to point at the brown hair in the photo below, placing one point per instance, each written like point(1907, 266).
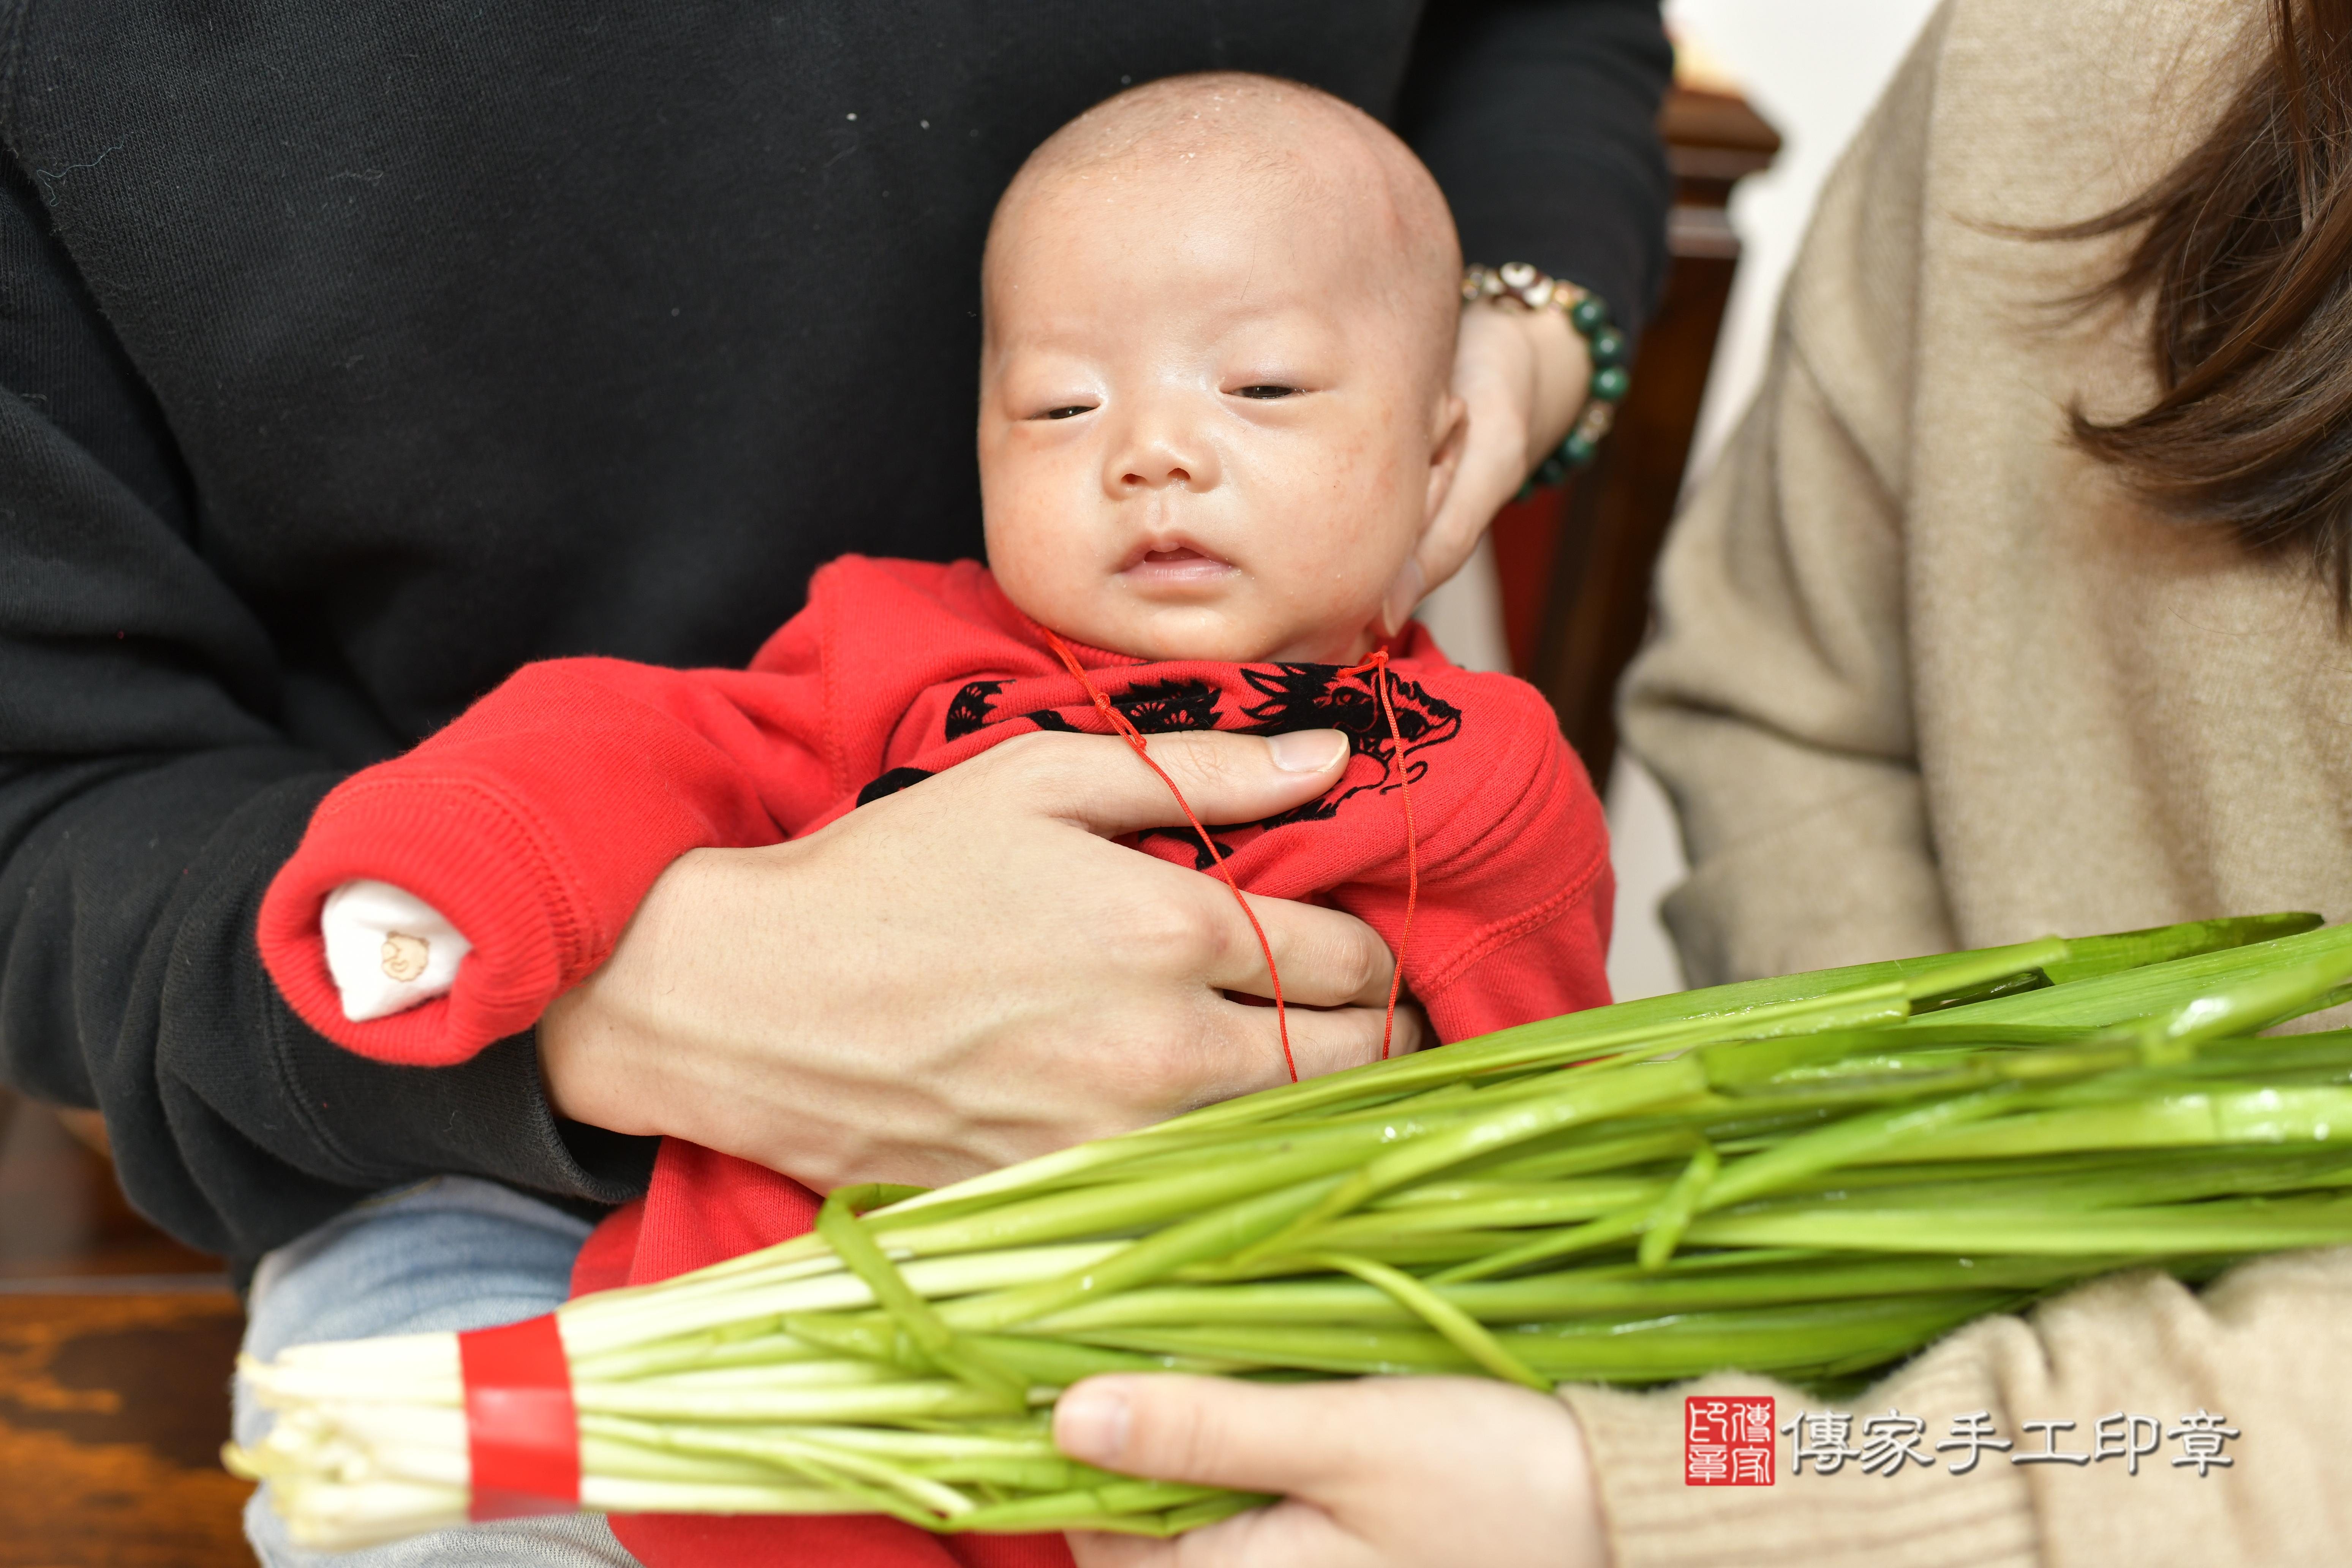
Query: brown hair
point(2246, 247)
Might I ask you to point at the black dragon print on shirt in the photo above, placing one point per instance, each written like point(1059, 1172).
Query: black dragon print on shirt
point(968, 711)
point(1288, 697)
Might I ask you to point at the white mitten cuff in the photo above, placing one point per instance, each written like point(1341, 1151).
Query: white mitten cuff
point(387, 948)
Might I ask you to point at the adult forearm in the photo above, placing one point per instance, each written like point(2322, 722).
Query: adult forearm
point(129, 980)
point(157, 765)
point(1843, 872)
point(1774, 703)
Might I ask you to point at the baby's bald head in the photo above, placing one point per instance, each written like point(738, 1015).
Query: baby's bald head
point(1217, 413)
point(1235, 141)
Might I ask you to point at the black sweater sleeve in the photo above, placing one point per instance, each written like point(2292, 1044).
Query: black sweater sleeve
point(1538, 118)
point(148, 787)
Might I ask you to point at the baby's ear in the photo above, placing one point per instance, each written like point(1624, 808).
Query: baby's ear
point(1449, 432)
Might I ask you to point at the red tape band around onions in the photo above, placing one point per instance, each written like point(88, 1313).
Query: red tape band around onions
point(522, 1435)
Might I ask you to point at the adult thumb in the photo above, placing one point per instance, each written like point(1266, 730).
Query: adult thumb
point(1208, 1431)
point(1098, 782)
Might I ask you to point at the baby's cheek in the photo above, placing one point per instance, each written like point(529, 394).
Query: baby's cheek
point(1030, 486)
point(1382, 503)
point(1045, 576)
point(1341, 571)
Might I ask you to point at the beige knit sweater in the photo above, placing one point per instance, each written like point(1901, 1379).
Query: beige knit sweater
point(1927, 675)
point(1924, 676)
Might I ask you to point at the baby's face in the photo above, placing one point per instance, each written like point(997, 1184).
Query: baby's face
point(1211, 423)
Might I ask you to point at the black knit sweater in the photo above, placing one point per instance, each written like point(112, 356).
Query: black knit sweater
point(361, 353)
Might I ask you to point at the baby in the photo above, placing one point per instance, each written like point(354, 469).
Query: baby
point(1216, 420)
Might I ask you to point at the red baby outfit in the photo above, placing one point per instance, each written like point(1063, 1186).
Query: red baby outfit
point(537, 821)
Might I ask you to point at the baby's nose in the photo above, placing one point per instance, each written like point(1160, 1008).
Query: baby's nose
point(1162, 451)
point(1150, 475)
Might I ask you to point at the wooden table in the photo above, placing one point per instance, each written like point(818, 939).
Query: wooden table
point(116, 1348)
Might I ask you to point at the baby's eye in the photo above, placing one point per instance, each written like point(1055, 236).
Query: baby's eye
point(1067, 411)
point(1266, 390)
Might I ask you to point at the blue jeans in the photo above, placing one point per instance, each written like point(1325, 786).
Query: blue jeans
point(451, 1253)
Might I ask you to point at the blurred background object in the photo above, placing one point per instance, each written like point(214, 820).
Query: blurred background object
point(115, 1348)
point(1768, 93)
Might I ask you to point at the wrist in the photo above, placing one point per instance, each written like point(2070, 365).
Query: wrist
point(1563, 376)
point(1585, 354)
point(612, 1051)
point(676, 1035)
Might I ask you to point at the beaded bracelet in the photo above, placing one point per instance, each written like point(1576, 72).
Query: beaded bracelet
point(1523, 286)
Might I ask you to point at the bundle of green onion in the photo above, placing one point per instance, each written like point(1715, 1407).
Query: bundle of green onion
point(1812, 1176)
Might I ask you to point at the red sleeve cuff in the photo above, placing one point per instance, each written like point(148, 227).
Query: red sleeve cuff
point(535, 822)
point(458, 846)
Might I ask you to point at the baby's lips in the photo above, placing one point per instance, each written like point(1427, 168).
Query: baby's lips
point(1170, 549)
point(1190, 572)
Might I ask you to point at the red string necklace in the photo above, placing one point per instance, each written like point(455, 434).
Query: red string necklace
point(1378, 664)
point(1383, 677)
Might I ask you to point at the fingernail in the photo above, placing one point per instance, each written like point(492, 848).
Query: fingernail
point(1090, 1422)
point(1307, 750)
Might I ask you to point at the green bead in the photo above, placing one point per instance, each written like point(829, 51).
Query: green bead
point(1607, 347)
point(1578, 450)
point(1588, 315)
point(1609, 383)
point(1552, 470)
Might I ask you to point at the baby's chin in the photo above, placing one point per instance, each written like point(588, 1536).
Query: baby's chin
point(1226, 634)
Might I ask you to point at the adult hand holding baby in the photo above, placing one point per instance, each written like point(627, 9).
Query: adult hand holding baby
point(1522, 377)
point(969, 973)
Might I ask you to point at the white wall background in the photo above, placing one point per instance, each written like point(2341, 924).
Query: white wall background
point(1813, 68)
